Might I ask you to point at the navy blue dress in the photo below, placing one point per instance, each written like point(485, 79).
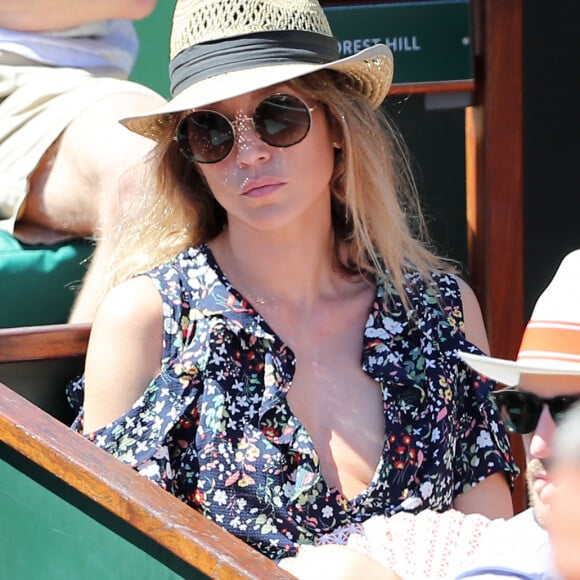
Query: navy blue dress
point(214, 427)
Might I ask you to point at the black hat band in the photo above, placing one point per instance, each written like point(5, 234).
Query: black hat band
point(208, 59)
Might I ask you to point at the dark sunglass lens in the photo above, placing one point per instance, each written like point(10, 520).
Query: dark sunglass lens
point(559, 405)
point(206, 135)
point(282, 120)
point(520, 411)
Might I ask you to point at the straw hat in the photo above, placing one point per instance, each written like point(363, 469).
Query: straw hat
point(221, 49)
point(551, 340)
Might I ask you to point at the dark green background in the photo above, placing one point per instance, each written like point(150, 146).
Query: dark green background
point(48, 531)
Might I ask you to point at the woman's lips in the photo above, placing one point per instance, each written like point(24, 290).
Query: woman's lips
point(261, 187)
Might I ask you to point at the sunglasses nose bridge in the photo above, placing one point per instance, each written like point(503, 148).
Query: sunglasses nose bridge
point(242, 122)
point(242, 126)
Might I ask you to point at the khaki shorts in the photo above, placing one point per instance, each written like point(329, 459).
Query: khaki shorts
point(36, 105)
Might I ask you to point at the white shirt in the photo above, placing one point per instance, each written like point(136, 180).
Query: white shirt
point(515, 548)
point(110, 43)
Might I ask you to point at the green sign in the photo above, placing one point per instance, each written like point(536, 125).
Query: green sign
point(430, 40)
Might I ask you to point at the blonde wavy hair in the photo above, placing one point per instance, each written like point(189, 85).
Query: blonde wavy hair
point(378, 224)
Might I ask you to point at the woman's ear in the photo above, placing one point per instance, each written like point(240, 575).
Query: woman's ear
point(335, 131)
point(336, 134)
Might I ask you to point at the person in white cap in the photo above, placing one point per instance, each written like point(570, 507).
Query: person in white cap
point(282, 353)
point(542, 385)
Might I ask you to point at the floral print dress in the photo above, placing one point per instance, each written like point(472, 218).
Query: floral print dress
point(214, 427)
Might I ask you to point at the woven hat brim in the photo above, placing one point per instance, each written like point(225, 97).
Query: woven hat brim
point(370, 69)
point(508, 372)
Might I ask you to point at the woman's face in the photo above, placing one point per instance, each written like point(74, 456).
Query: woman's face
point(265, 187)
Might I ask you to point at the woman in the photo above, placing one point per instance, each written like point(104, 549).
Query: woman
point(231, 374)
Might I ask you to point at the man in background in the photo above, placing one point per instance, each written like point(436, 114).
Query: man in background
point(544, 383)
point(68, 168)
point(564, 520)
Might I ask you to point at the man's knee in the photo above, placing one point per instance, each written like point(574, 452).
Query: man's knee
point(94, 169)
point(99, 136)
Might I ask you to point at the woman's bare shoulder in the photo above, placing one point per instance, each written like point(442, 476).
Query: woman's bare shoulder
point(136, 301)
point(475, 330)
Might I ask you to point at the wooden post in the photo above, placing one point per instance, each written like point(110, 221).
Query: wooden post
point(494, 148)
point(494, 169)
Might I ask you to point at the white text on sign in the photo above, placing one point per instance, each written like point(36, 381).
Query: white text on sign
point(395, 43)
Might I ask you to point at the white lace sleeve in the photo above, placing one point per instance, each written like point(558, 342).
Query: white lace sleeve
point(426, 545)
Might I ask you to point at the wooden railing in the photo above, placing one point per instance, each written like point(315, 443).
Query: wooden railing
point(38, 361)
point(52, 341)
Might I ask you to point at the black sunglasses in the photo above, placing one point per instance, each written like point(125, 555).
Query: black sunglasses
point(521, 411)
point(280, 120)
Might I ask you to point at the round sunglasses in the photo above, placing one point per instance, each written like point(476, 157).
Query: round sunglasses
point(521, 411)
point(280, 120)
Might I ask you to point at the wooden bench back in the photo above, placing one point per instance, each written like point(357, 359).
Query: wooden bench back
point(54, 341)
point(38, 361)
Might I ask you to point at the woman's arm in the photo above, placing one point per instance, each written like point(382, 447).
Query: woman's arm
point(46, 15)
point(124, 352)
point(474, 326)
point(492, 496)
point(335, 562)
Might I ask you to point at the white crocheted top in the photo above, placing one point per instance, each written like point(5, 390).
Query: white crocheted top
point(427, 545)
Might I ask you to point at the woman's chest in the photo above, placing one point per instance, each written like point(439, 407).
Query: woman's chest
point(341, 408)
